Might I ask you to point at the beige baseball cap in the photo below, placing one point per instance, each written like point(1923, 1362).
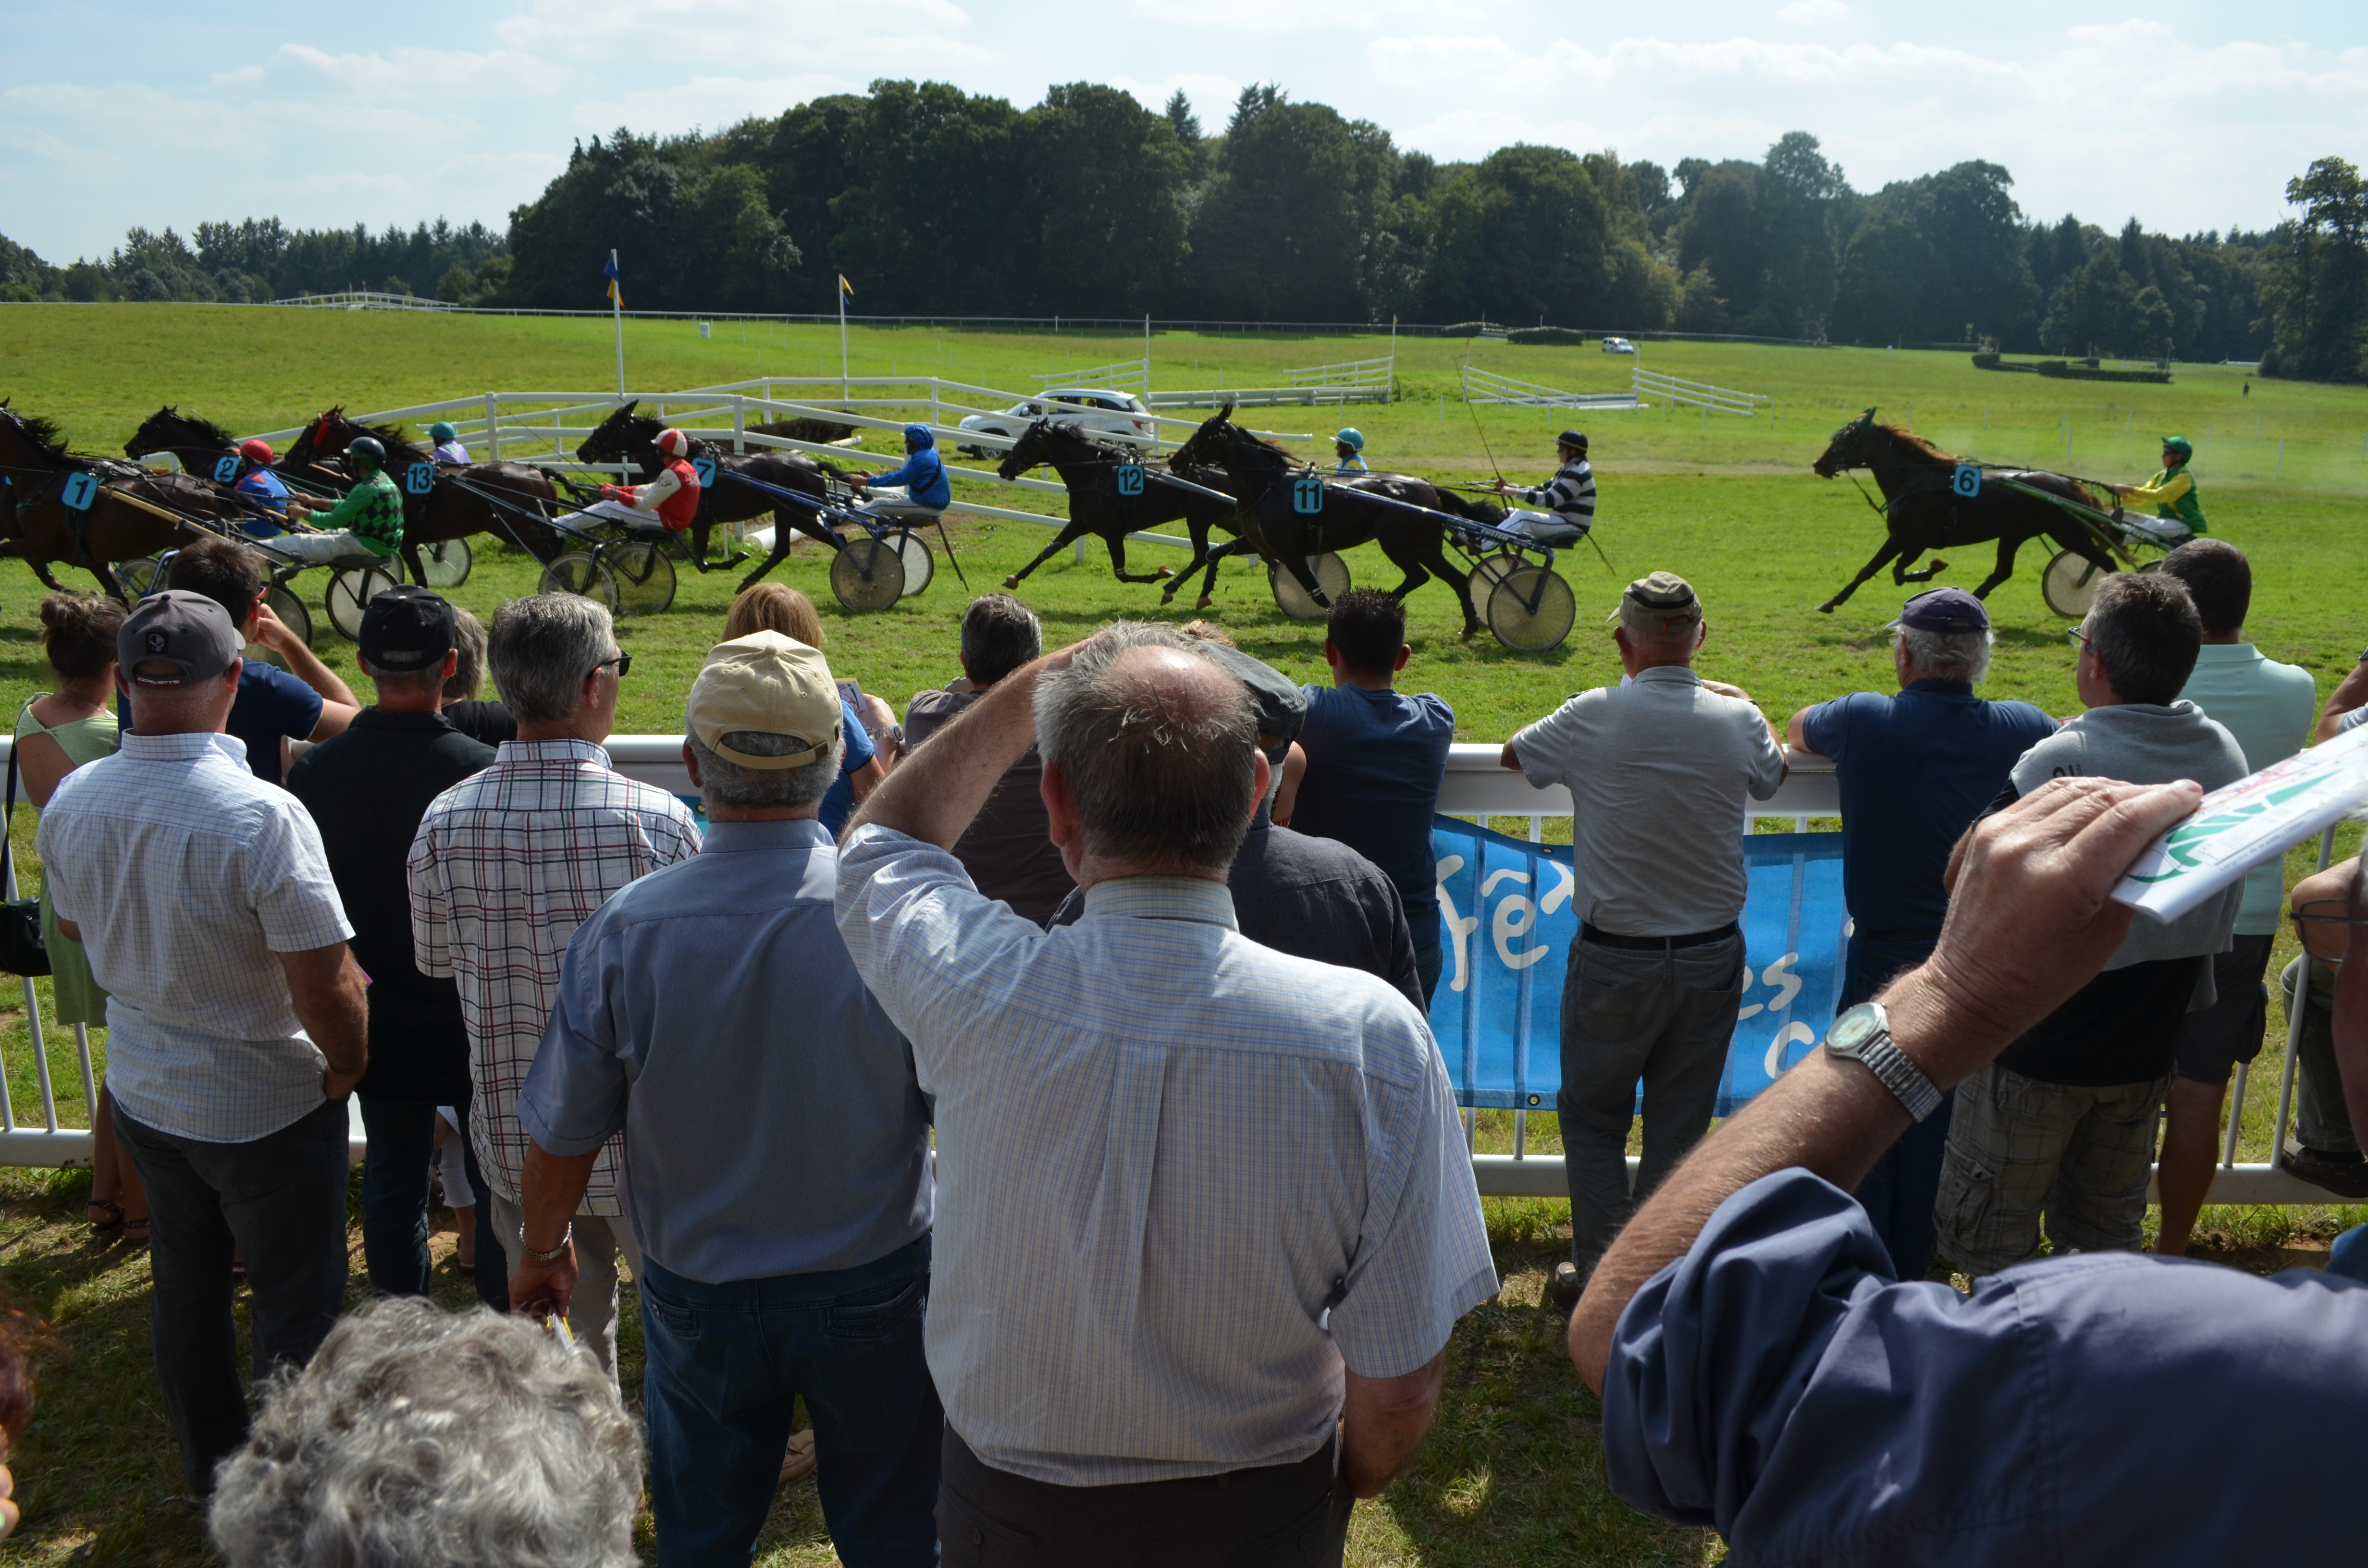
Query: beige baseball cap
point(769, 685)
point(1662, 604)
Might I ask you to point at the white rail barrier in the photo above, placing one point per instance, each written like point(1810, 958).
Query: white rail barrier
point(1475, 787)
point(1486, 386)
point(1694, 394)
point(1116, 376)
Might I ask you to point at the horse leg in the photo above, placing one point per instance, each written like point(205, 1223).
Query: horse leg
point(1224, 551)
point(1297, 566)
point(1891, 547)
point(106, 581)
point(411, 562)
point(2008, 543)
point(1067, 536)
point(1116, 543)
point(808, 522)
point(781, 554)
point(1198, 533)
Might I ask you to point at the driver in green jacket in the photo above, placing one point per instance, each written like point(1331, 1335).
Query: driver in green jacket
point(368, 521)
point(2171, 493)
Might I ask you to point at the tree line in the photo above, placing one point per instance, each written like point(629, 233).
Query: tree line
point(934, 201)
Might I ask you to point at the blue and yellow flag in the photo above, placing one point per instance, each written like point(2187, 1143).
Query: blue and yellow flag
point(615, 293)
point(845, 287)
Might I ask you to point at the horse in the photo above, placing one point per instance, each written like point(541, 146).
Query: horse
point(1090, 470)
point(131, 512)
point(628, 436)
point(504, 498)
point(1265, 476)
point(1923, 511)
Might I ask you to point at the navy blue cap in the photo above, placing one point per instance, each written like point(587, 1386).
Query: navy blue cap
point(1944, 609)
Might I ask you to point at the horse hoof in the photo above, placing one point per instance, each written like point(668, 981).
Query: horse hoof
point(1825, 609)
point(1206, 600)
point(1165, 572)
point(1011, 581)
point(1938, 566)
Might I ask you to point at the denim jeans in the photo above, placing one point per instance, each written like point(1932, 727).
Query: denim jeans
point(1898, 1194)
point(401, 1135)
point(726, 1366)
point(281, 1202)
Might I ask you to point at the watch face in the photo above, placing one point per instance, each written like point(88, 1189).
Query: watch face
point(1855, 1028)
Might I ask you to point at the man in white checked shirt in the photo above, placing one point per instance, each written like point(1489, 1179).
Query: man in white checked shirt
point(505, 866)
point(1204, 1219)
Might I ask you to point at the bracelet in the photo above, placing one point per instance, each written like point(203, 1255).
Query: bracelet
point(554, 1254)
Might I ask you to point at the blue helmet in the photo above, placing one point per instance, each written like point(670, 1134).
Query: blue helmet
point(1352, 438)
point(918, 436)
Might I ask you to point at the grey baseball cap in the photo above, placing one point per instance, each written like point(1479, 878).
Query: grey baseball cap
point(181, 629)
point(1282, 706)
point(1662, 604)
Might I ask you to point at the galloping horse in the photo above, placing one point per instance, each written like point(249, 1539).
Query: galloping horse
point(627, 436)
point(1923, 511)
point(1098, 504)
point(505, 499)
point(130, 512)
point(1266, 477)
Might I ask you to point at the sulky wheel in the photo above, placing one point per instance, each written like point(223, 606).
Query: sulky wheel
point(1331, 574)
point(2069, 583)
point(290, 609)
point(1532, 610)
point(920, 566)
point(348, 591)
point(868, 575)
point(645, 578)
point(446, 562)
point(139, 575)
point(1487, 572)
point(577, 572)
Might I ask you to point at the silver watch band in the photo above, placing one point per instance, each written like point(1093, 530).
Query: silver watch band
point(1895, 1071)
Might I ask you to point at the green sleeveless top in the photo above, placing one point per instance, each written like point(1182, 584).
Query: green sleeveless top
point(77, 995)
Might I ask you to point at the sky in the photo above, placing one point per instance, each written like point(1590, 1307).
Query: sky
point(2184, 115)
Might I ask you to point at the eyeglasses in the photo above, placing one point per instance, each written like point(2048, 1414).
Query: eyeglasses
point(2315, 924)
point(2078, 638)
point(624, 663)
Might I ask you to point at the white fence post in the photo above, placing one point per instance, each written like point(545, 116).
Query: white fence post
point(739, 423)
point(493, 426)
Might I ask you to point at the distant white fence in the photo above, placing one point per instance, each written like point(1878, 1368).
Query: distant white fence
point(1351, 381)
point(1486, 386)
point(366, 300)
point(1125, 375)
point(1694, 394)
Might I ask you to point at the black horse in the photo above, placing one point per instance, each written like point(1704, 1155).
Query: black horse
point(630, 437)
point(1347, 512)
point(1923, 509)
point(1107, 501)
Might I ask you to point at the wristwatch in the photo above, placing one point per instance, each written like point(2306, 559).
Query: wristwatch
point(1863, 1035)
point(554, 1254)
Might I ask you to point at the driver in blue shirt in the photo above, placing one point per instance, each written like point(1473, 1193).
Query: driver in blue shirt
point(926, 490)
point(258, 484)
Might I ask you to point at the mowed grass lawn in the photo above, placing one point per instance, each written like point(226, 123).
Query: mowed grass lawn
point(1514, 1474)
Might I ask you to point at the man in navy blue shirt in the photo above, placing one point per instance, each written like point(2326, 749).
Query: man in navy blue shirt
point(1915, 770)
point(306, 701)
point(1375, 757)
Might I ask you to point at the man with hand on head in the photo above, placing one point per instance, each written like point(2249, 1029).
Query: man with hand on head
point(236, 1020)
point(1658, 972)
point(1150, 1322)
point(776, 1142)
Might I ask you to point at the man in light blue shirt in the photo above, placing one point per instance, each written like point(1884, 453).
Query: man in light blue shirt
point(1206, 1220)
point(776, 1144)
point(2268, 706)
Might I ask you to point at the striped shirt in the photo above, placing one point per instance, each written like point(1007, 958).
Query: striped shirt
point(1182, 1179)
point(1569, 494)
point(504, 869)
point(189, 876)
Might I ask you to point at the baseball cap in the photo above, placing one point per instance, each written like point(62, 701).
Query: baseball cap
point(1282, 705)
point(407, 628)
point(769, 685)
point(1659, 605)
point(180, 628)
point(1944, 609)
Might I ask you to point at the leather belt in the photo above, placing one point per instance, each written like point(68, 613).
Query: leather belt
point(1603, 938)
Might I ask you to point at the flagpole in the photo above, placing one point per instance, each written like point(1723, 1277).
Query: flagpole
point(617, 314)
point(843, 384)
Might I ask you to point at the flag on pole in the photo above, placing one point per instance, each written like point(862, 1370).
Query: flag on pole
point(844, 286)
point(615, 293)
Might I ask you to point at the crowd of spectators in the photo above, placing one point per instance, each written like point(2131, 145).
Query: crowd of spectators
point(928, 1084)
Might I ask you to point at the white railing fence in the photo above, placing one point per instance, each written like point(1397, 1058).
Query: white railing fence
point(1123, 376)
point(367, 299)
point(1694, 394)
point(1486, 386)
point(1475, 787)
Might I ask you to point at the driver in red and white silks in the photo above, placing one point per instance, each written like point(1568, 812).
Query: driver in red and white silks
point(670, 499)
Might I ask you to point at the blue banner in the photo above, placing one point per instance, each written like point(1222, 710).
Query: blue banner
point(1508, 914)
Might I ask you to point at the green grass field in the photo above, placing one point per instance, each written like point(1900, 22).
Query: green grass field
point(1513, 1475)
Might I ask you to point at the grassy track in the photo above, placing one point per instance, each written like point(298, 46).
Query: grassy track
point(1513, 1475)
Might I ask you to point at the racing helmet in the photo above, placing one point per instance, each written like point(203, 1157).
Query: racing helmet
point(365, 452)
point(442, 431)
point(1352, 438)
point(256, 452)
point(2181, 445)
point(674, 443)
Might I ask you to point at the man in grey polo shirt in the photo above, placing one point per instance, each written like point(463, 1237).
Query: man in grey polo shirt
point(776, 1144)
point(1658, 770)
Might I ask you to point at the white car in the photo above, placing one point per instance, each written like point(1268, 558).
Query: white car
point(1109, 415)
point(1618, 346)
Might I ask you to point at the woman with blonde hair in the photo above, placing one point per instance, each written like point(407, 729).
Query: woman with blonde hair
point(874, 736)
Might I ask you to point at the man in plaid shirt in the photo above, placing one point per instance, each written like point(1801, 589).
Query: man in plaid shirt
point(505, 868)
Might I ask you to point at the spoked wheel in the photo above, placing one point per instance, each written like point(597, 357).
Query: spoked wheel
point(1487, 572)
point(866, 574)
point(446, 562)
point(290, 609)
point(1331, 574)
point(139, 576)
point(577, 572)
point(2069, 583)
point(1532, 610)
point(919, 564)
point(348, 592)
point(645, 578)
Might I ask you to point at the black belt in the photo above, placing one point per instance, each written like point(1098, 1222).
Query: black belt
point(1603, 938)
point(1864, 935)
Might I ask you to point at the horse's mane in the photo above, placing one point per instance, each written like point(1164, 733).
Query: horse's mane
point(207, 431)
point(45, 433)
point(1916, 446)
point(1242, 438)
point(1074, 433)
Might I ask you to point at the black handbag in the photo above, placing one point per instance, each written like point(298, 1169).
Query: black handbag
point(22, 950)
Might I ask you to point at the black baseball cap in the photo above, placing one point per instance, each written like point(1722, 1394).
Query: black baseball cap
point(408, 628)
point(181, 629)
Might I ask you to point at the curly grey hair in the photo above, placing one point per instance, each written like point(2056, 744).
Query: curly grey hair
point(419, 1437)
point(1947, 655)
point(724, 783)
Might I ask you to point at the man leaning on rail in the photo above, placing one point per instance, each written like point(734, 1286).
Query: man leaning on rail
point(1204, 1215)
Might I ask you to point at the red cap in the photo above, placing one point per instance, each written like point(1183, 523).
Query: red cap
point(256, 452)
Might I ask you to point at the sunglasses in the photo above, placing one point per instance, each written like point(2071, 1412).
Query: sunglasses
point(2315, 925)
point(624, 663)
point(2078, 638)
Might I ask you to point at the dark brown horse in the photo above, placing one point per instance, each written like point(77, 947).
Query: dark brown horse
point(92, 512)
point(630, 438)
point(1280, 524)
point(446, 501)
point(1924, 509)
point(1106, 500)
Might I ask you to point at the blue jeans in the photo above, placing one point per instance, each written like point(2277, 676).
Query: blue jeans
point(1898, 1194)
point(401, 1140)
point(726, 1365)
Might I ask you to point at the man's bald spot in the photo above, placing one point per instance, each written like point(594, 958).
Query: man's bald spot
point(1176, 688)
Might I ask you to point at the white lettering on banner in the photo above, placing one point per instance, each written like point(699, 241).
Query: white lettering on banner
point(1565, 883)
point(1501, 874)
point(1459, 926)
point(1515, 918)
point(1788, 985)
point(1790, 1034)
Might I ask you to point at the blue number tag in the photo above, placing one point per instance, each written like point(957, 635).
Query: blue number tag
point(1968, 481)
point(1307, 495)
point(225, 469)
point(1130, 478)
point(80, 491)
point(705, 469)
point(419, 479)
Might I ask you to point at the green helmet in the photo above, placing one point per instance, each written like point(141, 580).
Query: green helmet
point(365, 452)
point(2181, 445)
point(442, 431)
point(1352, 438)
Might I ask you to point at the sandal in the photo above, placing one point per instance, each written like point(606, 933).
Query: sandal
point(135, 1232)
point(106, 1220)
